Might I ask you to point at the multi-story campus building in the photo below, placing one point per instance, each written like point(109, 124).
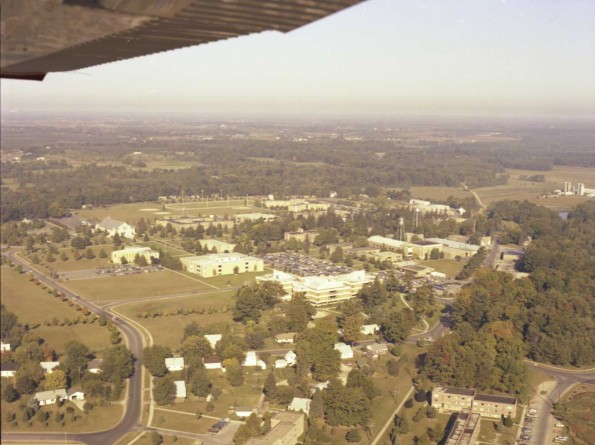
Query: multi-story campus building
point(130, 253)
point(221, 264)
point(456, 399)
point(218, 246)
point(420, 249)
point(320, 290)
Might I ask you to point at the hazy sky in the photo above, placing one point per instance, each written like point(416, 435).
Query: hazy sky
point(379, 58)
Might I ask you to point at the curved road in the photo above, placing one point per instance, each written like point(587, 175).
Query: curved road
point(133, 407)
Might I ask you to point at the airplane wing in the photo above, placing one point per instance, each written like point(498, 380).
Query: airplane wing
point(43, 36)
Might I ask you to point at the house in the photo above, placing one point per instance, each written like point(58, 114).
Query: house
point(48, 367)
point(287, 428)
point(174, 363)
point(213, 339)
point(8, 369)
point(75, 394)
point(94, 366)
point(345, 351)
point(261, 364)
point(212, 362)
point(243, 411)
point(180, 389)
point(291, 358)
point(251, 359)
point(281, 363)
point(50, 397)
point(288, 337)
point(300, 404)
point(4, 347)
point(375, 350)
point(113, 226)
point(130, 254)
point(369, 329)
point(362, 363)
point(217, 264)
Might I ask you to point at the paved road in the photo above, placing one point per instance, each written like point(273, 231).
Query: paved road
point(131, 418)
point(544, 403)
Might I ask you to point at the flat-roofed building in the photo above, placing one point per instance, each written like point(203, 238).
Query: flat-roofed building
point(416, 269)
point(130, 253)
point(320, 290)
point(221, 264)
point(455, 399)
point(455, 247)
point(495, 406)
point(217, 245)
point(266, 217)
point(423, 249)
point(445, 398)
point(185, 222)
point(465, 429)
point(301, 235)
point(392, 257)
point(393, 245)
point(287, 427)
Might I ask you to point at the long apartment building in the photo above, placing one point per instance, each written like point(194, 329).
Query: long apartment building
point(421, 249)
point(457, 399)
point(320, 290)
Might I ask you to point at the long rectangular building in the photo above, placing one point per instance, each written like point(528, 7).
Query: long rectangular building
point(320, 290)
point(465, 429)
point(221, 264)
point(456, 399)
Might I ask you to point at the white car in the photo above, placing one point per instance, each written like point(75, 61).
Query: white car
point(561, 438)
point(532, 411)
point(560, 425)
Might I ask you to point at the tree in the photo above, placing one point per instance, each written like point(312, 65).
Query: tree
point(270, 386)
point(392, 367)
point(357, 379)
point(164, 391)
point(55, 380)
point(250, 428)
point(507, 421)
point(102, 253)
point(195, 346)
point(200, 384)
point(191, 329)
point(401, 424)
point(373, 295)
point(154, 359)
point(337, 255)
point(345, 405)
point(77, 357)
point(395, 328)
point(156, 438)
point(117, 363)
point(284, 395)
point(9, 393)
point(353, 436)
point(89, 254)
point(316, 405)
point(299, 312)
point(321, 357)
point(117, 240)
point(233, 371)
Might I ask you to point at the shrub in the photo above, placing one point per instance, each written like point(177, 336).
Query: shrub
point(353, 435)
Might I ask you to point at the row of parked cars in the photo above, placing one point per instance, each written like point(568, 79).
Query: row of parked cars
point(218, 426)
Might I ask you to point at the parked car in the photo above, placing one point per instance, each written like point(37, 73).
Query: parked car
point(560, 425)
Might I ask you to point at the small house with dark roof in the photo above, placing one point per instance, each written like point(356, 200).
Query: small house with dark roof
point(8, 369)
point(94, 366)
point(212, 362)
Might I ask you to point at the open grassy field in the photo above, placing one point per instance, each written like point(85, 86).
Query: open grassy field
point(168, 330)
point(92, 335)
point(100, 418)
point(180, 422)
point(146, 440)
point(128, 287)
point(449, 267)
point(578, 416)
point(518, 189)
point(29, 302)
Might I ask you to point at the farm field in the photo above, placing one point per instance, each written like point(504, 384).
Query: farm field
point(438, 193)
point(518, 189)
point(129, 287)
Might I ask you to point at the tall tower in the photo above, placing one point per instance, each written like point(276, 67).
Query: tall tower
point(568, 187)
point(401, 229)
point(580, 189)
point(416, 218)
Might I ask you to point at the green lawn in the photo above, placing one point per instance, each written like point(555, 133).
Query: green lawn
point(92, 335)
point(100, 418)
point(83, 263)
point(29, 302)
point(135, 286)
point(168, 330)
point(449, 267)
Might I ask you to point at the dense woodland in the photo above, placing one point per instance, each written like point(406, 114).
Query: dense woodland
point(548, 317)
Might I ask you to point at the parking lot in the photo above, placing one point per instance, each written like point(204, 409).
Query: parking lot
point(302, 265)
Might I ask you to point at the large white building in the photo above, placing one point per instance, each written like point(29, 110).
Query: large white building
point(130, 254)
point(113, 226)
point(320, 290)
point(222, 264)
